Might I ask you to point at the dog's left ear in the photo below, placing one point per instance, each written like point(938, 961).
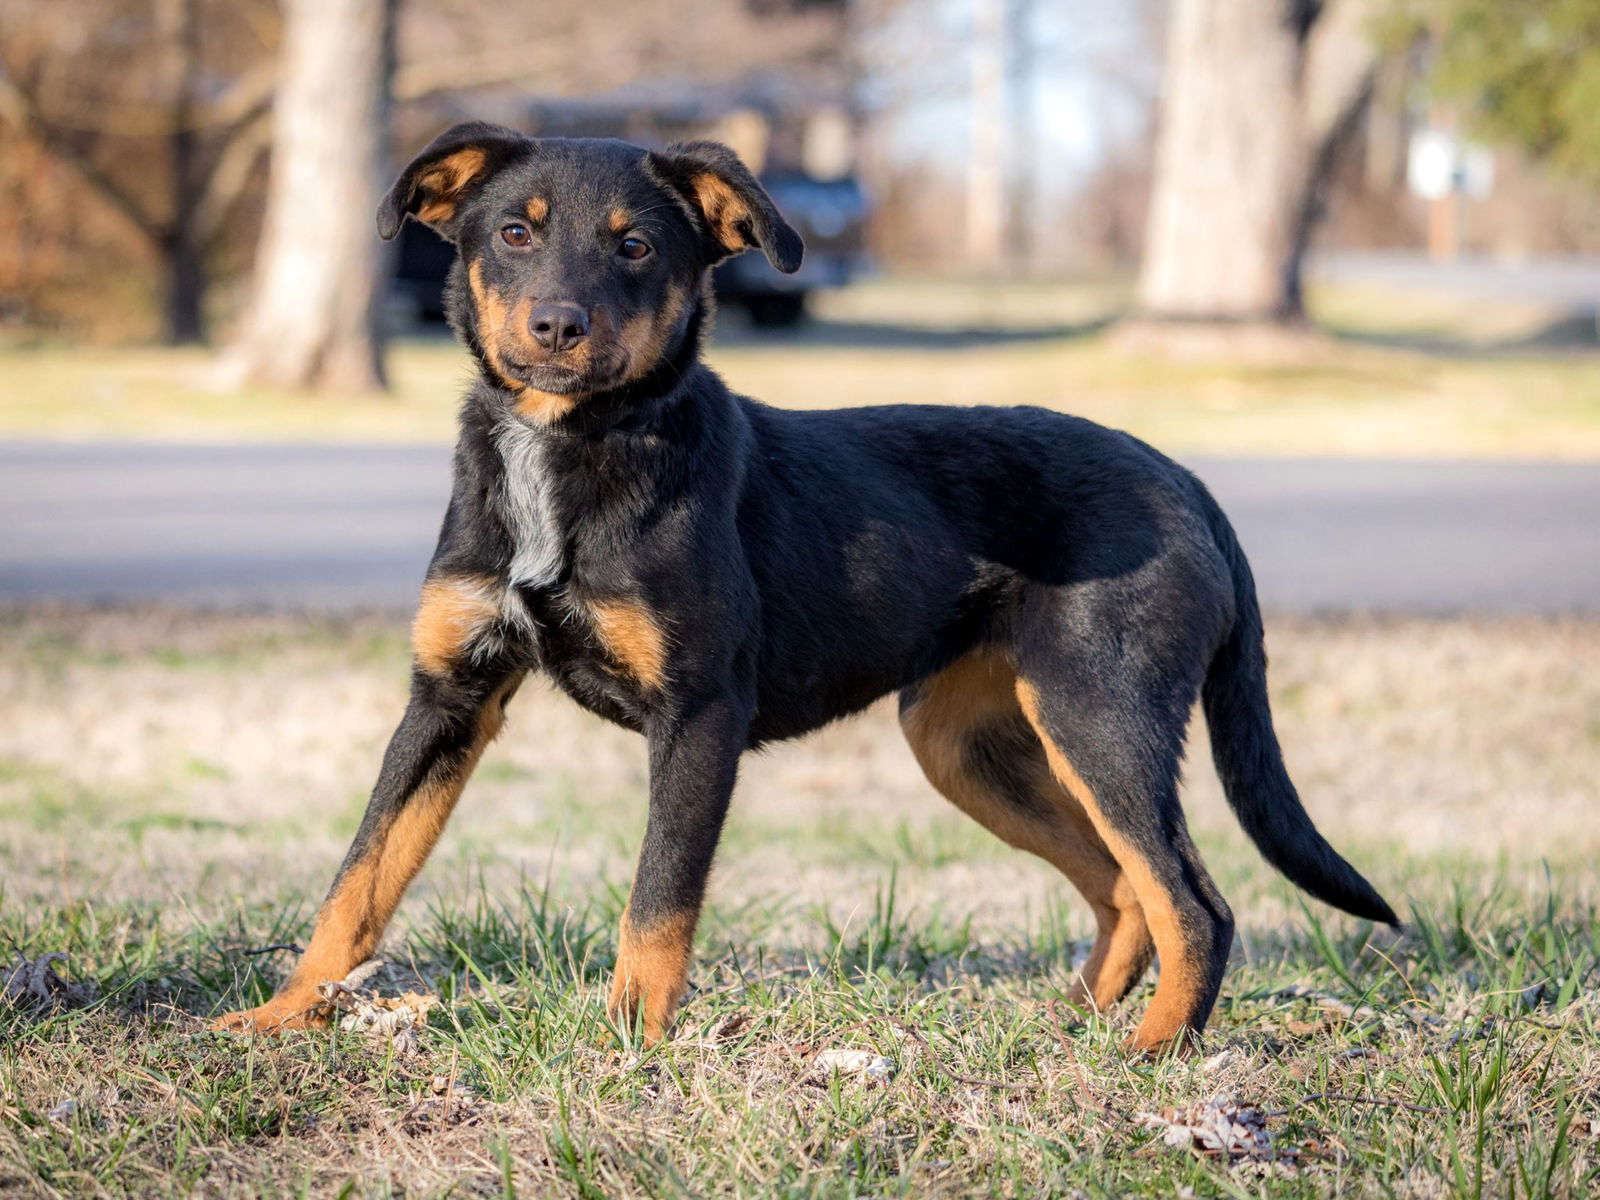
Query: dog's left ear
point(735, 211)
point(446, 174)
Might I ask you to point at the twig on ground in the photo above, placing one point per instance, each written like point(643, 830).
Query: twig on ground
point(273, 949)
point(975, 1081)
point(1327, 1001)
point(353, 982)
point(1086, 1096)
point(1375, 1101)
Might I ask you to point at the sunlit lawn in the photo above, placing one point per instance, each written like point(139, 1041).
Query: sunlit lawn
point(1408, 375)
point(176, 788)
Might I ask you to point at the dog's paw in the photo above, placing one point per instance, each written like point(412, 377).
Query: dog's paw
point(1179, 1046)
point(275, 1016)
point(649, 1015)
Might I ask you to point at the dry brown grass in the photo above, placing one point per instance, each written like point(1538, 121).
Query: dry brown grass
point(248, 743)
point(174, 786)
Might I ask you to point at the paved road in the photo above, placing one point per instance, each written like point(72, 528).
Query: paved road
point(339, 527)
point(1571, 280)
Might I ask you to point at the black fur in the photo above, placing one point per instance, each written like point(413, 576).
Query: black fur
point(800, 565)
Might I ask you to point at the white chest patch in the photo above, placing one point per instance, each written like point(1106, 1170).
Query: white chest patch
point(540, 550)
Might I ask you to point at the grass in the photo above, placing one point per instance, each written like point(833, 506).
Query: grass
point(176, 787)
point(1411, 374)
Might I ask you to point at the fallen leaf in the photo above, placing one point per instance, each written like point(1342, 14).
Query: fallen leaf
point(730, 1027)
point(33, 985)
point(1219, 1126)
point(1216, 1062)
point(852, 1062)
point(391, 1019)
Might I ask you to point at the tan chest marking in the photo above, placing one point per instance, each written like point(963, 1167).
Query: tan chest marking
point(454, 612)
point(543, 407)
point(634, 636)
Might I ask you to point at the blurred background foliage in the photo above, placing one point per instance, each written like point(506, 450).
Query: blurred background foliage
point(1526, 73)
point(993, 139)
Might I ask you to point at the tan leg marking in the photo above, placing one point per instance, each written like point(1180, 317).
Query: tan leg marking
point(633, 636)
point(354, 917)
point(1182, 983)
point(453, 613)
point(652, 973)
point(980, 690)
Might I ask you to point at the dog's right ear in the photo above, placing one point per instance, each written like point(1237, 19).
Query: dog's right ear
point(445, 175)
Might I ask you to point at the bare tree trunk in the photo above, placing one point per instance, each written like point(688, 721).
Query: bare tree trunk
point(1022, 80)
point(314, 319)
point(182, 254)
point(1259, 96)
point(986, 183)
point(213, 142)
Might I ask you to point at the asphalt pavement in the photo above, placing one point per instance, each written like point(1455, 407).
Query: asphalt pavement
point(330, 528)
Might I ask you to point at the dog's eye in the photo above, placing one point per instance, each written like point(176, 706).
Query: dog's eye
point(516, 235)
point(633, 248)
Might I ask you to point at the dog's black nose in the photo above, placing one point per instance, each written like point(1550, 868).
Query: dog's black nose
point(558, 327)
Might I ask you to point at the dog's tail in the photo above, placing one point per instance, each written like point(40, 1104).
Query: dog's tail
point(1250, 762)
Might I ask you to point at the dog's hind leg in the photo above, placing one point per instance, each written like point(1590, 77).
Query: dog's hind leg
point(976, 747)
point(1111, 719)
point(452, 716)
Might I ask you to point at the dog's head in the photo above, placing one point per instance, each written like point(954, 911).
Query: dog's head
point(583, 259)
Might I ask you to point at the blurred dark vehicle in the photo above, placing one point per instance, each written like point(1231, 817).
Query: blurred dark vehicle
point(421, 264)
point(830, 214)
point(797, 130)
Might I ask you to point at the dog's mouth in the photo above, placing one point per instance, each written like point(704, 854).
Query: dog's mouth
point(593, 368)
point(554, 378)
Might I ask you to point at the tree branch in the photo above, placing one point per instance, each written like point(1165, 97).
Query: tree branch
point(225, 179)
point(20, 108)
point(247, 98)
point(429, 77)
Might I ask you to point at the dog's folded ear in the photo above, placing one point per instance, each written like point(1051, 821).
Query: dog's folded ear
point(440, 179)
point(734, 210)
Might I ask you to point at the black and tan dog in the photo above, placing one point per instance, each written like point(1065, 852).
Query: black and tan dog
point(1048, 597)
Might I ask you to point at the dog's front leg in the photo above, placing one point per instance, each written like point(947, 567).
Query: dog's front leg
point(448, 722)
point(694, 757)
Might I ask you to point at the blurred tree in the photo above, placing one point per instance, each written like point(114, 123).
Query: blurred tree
point(1259, 97)
point(1528, 72)
point(158, 108)
point(313, 320)
point(157, 116)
